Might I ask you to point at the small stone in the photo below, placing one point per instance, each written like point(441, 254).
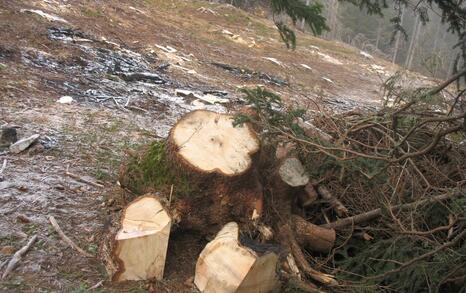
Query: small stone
point(9, 136)
point(23, 144)
point(65, 100)
point(7, 250)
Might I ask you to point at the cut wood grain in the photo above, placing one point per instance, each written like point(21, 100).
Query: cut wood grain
point(226, 266)
point(141, 243)
point(208, 142)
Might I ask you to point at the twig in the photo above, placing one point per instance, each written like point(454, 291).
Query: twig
point(421, 257)
point(3, 166)
point(170, 197)
point(118, 105)
point(127, 101)
point(18, 256)
point(424, 233)
point(74, 176)
point(373, 214)
point(97, 285)
point(66, 238)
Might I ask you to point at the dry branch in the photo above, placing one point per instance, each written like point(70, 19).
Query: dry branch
point(339, 208)
point(373, 214)
point(312, 236)
point(74, 176)
point(18, 256)
point(290, 240)
point(65, 238)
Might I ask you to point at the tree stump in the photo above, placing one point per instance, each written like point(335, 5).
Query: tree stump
point(141, 243)
point(206, 142)
point(226, 266)
point(218, 157)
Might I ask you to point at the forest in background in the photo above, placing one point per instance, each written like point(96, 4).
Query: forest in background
point(425, 46)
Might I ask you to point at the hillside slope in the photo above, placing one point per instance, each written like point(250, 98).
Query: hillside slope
point(124, 63)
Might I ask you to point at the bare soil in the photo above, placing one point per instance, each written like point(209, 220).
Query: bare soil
point(93, 57)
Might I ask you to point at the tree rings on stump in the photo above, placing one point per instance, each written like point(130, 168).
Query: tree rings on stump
point(207, 142)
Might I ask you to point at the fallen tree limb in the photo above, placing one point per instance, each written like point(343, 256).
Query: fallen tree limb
point(373, 214)
point(339, 208)
point(66, 238)
point(18, 256)
point(312, 236)
point(288, 237)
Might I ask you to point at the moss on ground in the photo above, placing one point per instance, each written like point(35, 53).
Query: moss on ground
point(150, 171)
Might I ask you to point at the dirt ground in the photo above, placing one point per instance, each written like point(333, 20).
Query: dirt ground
point(121, 62)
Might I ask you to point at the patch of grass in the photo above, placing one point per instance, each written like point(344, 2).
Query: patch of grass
point(30, 228)
point(150, 170)
point(92, 248)
point(15, 284)
point(7, 240)
point(90, 12)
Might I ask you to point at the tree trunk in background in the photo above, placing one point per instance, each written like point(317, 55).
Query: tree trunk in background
point(398, 37)
point(301, 26)
point(333, 18)
point(379, 34)
point(413, 44)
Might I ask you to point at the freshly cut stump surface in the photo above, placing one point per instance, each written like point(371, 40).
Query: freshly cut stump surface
point(226, 266)
point(208, 142)
point(141, 243)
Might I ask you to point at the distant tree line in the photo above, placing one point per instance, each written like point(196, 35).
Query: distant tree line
point(423, 35)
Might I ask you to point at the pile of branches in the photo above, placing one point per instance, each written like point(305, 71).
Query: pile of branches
point(392, 184)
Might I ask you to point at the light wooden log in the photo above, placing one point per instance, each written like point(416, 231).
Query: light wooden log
point(226, 266)
point(312, 236)
point(141, 244)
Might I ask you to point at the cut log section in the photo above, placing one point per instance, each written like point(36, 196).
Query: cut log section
point(226, 266)
point(141, 244)
point(209, 143)
point(312, 236)
point(293, 173)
